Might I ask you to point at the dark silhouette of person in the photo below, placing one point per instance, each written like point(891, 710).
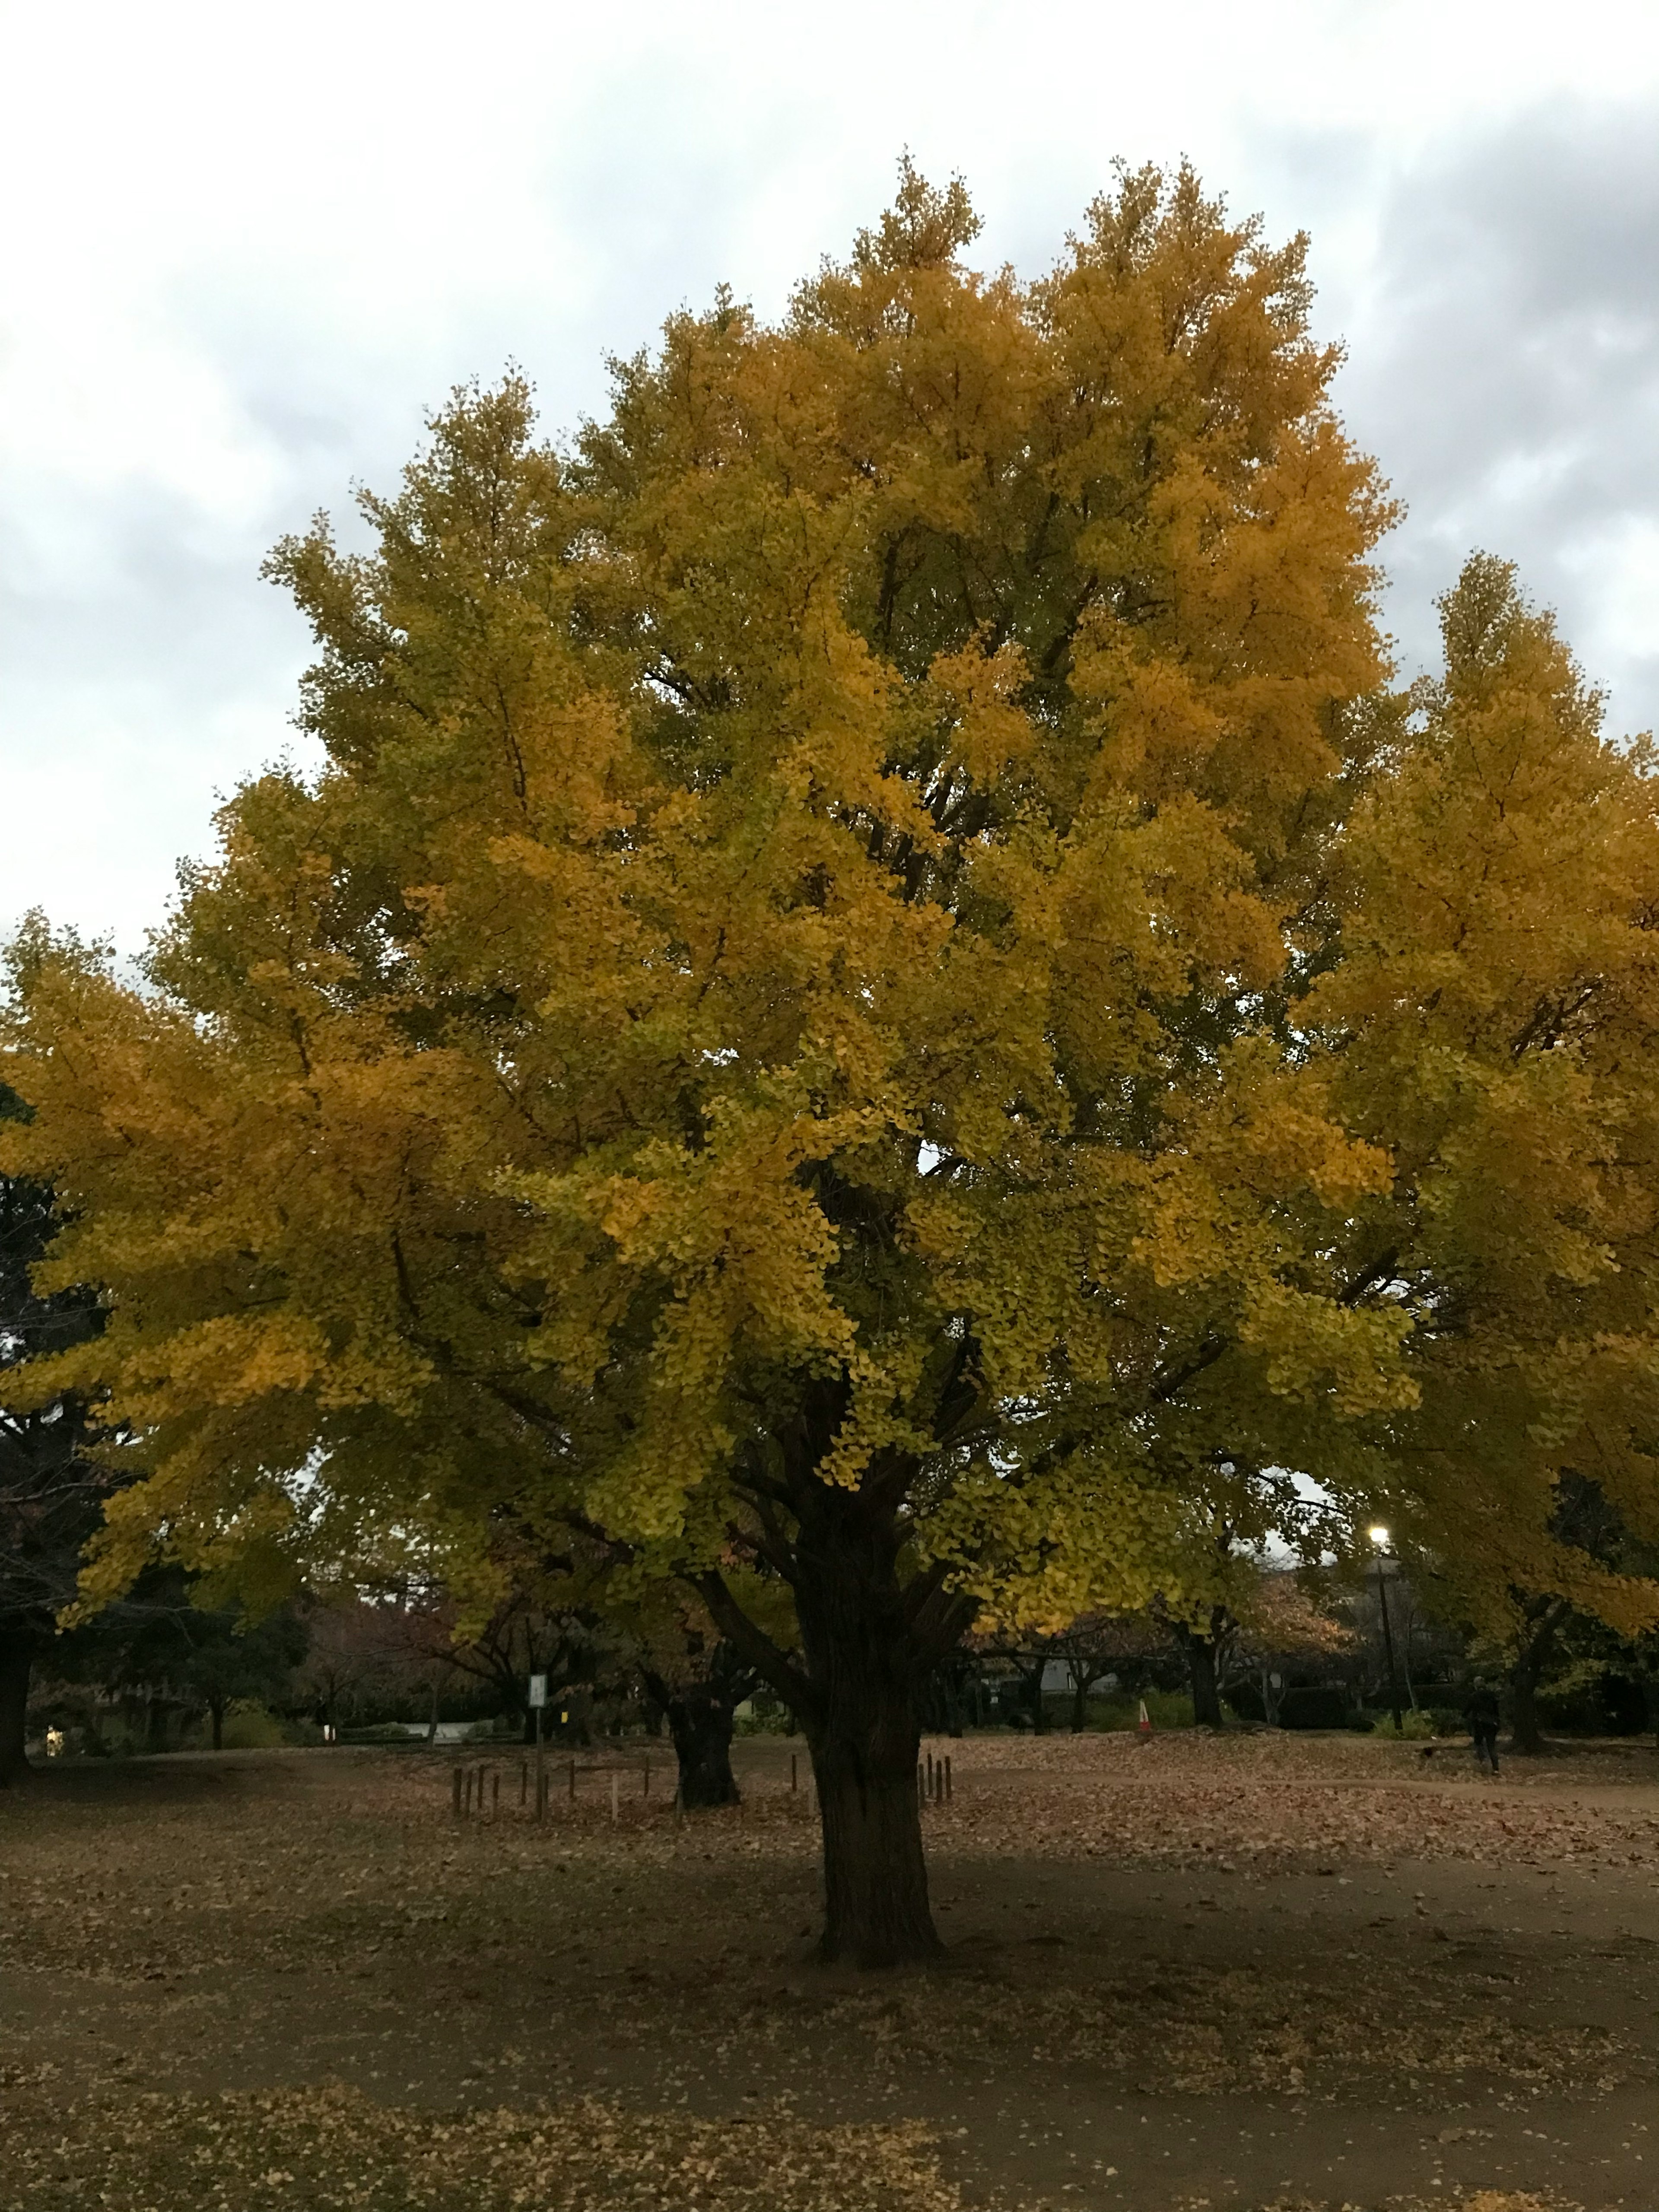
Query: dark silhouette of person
point(1480, 1711)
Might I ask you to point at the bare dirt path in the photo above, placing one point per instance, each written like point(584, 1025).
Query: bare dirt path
point(1229, 1972)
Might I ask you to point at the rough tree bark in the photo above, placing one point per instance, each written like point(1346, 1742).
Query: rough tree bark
point(701, 1715)
point(1544, 1617)
point(1030, 1683)
point(953, 1707)
point(868, 1639)
point(16, 1663)
point(700, 1731)
point(1201, 1650)
point(860, 1722)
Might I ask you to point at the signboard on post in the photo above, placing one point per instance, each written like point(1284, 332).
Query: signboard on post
point(538, 1699)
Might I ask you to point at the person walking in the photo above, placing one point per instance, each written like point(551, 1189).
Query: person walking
point(1480, 1711)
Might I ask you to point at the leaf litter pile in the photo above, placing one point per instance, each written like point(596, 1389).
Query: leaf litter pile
point(292, 1892)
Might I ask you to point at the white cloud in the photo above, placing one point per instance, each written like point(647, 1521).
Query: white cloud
point(261, 241)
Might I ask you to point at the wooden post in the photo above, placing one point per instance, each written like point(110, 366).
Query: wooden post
point(468, 1789)
point(495, 1792)
point(793, 1782)
point(947, 1777)
point(524, 1780)
point(455, 1793)
point(573, 1781)
point(615, 1796)
point(541, 1794)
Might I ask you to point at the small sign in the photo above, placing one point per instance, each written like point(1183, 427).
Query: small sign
point(538, 1689)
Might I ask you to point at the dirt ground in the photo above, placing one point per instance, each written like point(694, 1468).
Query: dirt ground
point(1218, 1973)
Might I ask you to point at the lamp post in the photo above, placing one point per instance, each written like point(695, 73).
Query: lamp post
point(1379, 1537)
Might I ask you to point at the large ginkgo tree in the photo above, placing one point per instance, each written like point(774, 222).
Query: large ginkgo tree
point(845, 1004)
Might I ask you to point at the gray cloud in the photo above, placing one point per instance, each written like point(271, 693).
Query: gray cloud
point(1505, 366)
point(1499, 292)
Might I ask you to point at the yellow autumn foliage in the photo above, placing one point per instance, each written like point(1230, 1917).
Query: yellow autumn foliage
point(873, 976)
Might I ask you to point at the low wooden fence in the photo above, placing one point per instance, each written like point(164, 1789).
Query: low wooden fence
point(545, 1785)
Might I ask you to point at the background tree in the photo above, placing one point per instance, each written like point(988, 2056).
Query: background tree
point(1525, 1634)
point(1234, 1510)
point(1281, 1627)
point(225, 1658)
point(1092, 1650)
point(696, 1680)
point(1487, 1010)
point(173, 1652)
point(806, 1015)
point(543, 1628)
point(382, 1653)
point(51, 1492)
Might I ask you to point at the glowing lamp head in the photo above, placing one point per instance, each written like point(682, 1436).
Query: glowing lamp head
point(1379, 1536)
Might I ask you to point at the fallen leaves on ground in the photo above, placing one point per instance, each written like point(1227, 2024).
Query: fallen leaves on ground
point(335, 2150)
point(1484, 2200)
point(318, 1916)
point(1192, 2031)
point(378, 1860)
point(1275, 1801)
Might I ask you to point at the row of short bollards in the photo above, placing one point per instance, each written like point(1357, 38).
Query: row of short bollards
point(934, 1781)
point(475, 1789)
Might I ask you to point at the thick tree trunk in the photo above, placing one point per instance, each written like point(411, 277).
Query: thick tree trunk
point(217, 1709)
point(1030, 1691)
point(1081, 1686)
point(1526, 1736)
point(16, 1663)
point(869, 1640)
point(700, 1727)
point(863, 1666)
point(702, 1715)
point(1200, 1665)
point(875, 1877)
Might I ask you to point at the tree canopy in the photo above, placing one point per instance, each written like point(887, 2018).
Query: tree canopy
point(51, 1490)
point(875, 984)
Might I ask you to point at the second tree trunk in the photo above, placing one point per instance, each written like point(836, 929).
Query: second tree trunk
point(16, 1662)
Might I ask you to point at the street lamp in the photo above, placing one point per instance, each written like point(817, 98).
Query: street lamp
point(1379, 1536)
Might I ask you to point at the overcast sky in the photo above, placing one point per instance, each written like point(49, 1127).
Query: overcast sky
point(244, 248)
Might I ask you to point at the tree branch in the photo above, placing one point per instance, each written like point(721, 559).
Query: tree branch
point(772, 1664)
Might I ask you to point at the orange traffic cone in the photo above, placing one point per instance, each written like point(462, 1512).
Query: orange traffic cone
point(1145, 1723)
